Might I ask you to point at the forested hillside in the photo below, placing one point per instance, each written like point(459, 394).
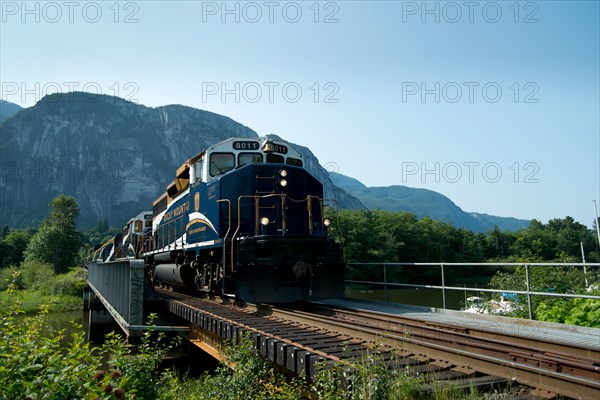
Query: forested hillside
point(387, 236)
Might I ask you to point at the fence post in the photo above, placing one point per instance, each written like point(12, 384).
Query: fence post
point(528, 292)
point(443, 286)
point(385, 293)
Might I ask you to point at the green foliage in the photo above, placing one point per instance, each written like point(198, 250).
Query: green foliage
point(70, 283)
point(37, 275)
point(11, 275)
point(12, 246)
point(542, 279)
point(99, 234)
point(40, 277)
point(35, 365)
point(385, 236)
point(32, 301)
point(40, 285)
point(251, 378)
point(57, 241)
point(255, 378)
point(136, 366)
point(582, 312)
point(371, 379)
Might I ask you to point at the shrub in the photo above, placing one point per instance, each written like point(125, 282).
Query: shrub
point(35, 363)
point(252, 378)
point(11, 275)
point(37, 275)
point(71, 284)
point(582, 312)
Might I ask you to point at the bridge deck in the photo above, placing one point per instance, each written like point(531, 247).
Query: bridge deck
point(587, 338)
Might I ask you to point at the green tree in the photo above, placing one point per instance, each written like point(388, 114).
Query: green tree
point(569, 234)
point(99, 234)
point(12, 247)
point(498, 243)
point(57, 241)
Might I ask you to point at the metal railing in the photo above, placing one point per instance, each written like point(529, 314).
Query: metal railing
point(443, 287)
point(120, 287)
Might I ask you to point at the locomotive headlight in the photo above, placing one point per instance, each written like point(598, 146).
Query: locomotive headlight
point(264, 221)
point(283, 183)
point(283, 173)
point(326, 222)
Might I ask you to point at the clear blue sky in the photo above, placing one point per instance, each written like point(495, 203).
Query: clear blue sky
point(439, 95)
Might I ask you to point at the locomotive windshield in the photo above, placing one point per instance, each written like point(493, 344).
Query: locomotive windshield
point(221, 163)
point(274, 158)
point(294, 161)
point(249, 158)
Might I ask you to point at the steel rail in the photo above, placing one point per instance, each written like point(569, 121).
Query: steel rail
point(567, 350)
point(489, 358)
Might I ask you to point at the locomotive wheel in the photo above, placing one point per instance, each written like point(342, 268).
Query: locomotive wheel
point(200, 279)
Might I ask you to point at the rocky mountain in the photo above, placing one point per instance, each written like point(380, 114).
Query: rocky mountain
point(8, 109)
point(115, 157)
point(422, 203)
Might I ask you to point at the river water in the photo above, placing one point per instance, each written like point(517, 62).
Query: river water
point(62, 320)
point(455, 299)
point(67, 320)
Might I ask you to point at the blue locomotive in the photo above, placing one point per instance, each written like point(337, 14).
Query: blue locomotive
point(243, 218)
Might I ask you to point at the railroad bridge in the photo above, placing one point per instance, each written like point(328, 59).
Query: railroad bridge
point(449, 347)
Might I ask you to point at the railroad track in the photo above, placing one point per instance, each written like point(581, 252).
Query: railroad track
point(561, 368)
point(304, 338)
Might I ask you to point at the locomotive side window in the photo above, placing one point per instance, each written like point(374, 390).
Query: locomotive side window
point(198, 171)
point(294, 161)
point(221, 163)
point(160, 205)
point(249, 158)
point(274, 158)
